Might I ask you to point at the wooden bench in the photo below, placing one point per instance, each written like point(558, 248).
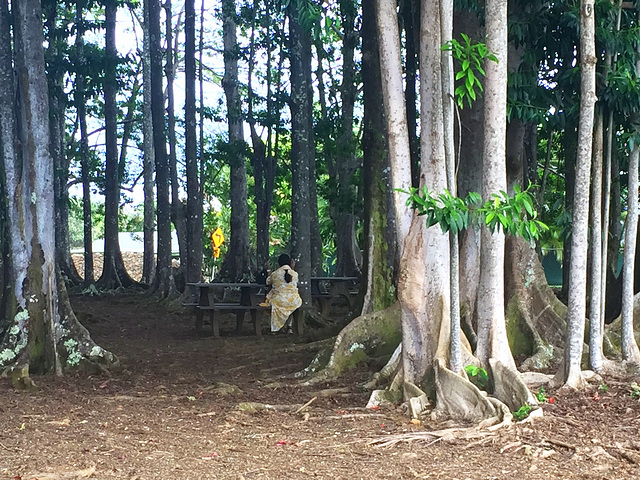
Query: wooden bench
point(257, 316)
point(257, 312)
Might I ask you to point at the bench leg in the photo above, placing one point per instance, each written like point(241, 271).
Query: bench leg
point(257, 321)
point(199, 320)
point(239, 321)
point(215, 324)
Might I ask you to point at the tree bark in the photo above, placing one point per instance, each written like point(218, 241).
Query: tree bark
point(148, 258)
point(596, 323)
point(57, 102)
point(114, 274)
point(163, 285)
point(302, 150)
point(396, 113)
point(236, 264)
point(177, 207)
point(571, 372)
point(492, 335)
point(194, 193)
point(44, 334)
point(380, 260)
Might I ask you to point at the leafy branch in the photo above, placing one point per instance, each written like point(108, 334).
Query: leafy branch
point(470, 55)
point(515, 215)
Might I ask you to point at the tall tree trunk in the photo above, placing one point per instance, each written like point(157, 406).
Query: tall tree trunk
point(114, 274)
point(148, 259)
point(84, 150)
point(44, 333)
point(396, 113)
point(446, 20)
point(194, 195)
point(492, 334)
point(423, 283)
point(410, 12)
point(380, 259)
point(177, 208)
point(302, 148)
point(470, 140)
point(630, 351)
point(237, 264)
point(596, 323)
point(343, 166)
point(571, 374)
point(164, 284)
point(57, 103)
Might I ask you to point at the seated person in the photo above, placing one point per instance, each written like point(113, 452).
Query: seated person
point(283, 297)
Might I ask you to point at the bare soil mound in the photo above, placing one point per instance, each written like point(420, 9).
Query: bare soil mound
point(185, 406)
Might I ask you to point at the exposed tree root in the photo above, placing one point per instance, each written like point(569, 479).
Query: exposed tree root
point(373, 335)
point(535, 317)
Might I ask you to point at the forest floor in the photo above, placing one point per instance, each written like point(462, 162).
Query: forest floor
point(180, 407)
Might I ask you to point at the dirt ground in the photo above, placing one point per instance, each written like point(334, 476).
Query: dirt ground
point(180, 408)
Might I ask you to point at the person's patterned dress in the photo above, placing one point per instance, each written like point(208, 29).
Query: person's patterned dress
point(283, 297)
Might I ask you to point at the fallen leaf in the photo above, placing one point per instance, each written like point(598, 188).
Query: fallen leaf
point(374, 407)
point(415, 421)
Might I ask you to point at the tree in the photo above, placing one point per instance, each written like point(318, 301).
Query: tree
point(570, 373)
point(164, 283)
point(342, 168)
point(302, 145)
point(395, 109)
point(177, 207)
point(43, 333)
point(114, 273)
point(194, 196)
point(492, 335)
point(84, 148)
point(630, 351)
point(148, 262)
point(55, 59)
point(381, 244)
point(236, 263)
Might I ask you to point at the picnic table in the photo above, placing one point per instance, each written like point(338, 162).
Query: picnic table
point(248, 301)
point(324, 290)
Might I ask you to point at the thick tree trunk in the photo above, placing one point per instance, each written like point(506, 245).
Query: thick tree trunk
point(302, 150)
point(236, 264)
point(43, 332)
point(380, 259)
point(470, 180)
point(194, 193)
point(114, 274)
point(396, 113)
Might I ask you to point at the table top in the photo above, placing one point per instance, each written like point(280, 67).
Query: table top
point(227, 285)
point(335, 279)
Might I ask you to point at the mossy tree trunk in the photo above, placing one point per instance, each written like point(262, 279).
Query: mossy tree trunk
point(42, 331)
point(380, 264)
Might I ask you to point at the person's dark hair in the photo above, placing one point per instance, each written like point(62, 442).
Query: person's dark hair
point(283, 260)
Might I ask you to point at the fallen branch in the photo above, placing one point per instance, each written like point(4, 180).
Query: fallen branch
point(447, 434)
point(559, 443)
point(306, 405)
